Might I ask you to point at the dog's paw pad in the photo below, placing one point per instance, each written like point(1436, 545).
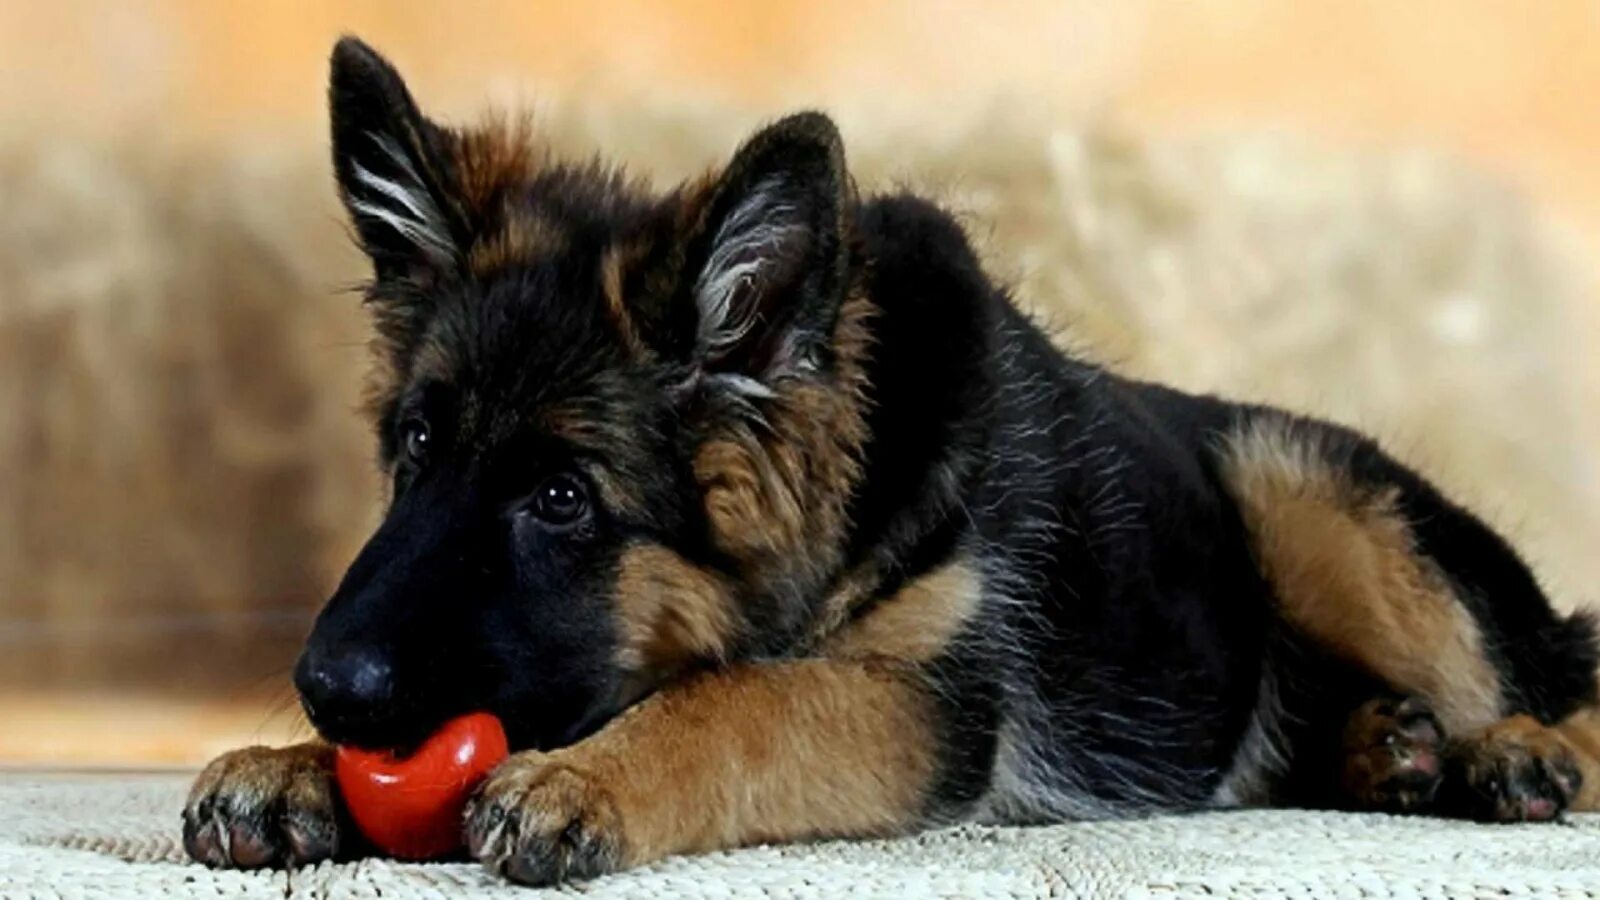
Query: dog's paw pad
point(1393, 758)
point(1508, 779)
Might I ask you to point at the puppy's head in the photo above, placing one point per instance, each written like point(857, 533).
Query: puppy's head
point(620, 428)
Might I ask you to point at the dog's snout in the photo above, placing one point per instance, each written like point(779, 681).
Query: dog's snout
point(345, 686)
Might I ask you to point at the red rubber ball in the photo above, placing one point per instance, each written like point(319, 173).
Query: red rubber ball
point(410, 807)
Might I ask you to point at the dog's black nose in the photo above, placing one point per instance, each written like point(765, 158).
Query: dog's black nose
point(345, 688)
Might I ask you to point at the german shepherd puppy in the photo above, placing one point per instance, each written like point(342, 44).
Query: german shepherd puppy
point(757, 512)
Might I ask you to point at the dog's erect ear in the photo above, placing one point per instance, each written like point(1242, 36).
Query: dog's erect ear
point(392, 170)
point(766, 263)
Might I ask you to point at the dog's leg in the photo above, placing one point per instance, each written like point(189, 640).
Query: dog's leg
point(1391, 580)
point(761, 752)
point(264, 806)
point(1350, 573)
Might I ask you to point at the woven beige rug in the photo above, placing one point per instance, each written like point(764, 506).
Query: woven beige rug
point(105, 836)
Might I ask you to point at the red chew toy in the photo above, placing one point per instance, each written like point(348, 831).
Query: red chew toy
point(411, 807)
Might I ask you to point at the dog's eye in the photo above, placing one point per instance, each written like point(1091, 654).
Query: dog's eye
point(414, 437)
point(560, 500)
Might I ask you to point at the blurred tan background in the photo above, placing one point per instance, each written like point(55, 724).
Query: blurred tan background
point(1383, 212)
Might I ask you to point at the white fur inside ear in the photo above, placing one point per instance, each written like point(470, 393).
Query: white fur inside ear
point(750, 243)
point(404, 204)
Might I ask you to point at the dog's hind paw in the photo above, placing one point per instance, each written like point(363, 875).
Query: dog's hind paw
point(1517, 770)
point(1393, 760)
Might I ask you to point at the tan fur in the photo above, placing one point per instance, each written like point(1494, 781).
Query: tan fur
point(1573, 741)
point(846, 594)
point(522, 237)
point(613, 267)
point(918, 622)
point(498, 156)
point(670, 611)
point(492, 162)
point(744, 755)
point(776, 495)
point(1344, 566)
point(1581, 734)
point(260, 805)
point(254, 777)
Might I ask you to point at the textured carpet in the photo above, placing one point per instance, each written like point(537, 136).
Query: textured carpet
point(102, 836)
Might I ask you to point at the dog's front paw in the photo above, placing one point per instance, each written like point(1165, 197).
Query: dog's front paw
point(540, 820)
point(264, 806)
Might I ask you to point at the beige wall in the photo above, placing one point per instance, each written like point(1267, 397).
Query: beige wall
point(1507, 83)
